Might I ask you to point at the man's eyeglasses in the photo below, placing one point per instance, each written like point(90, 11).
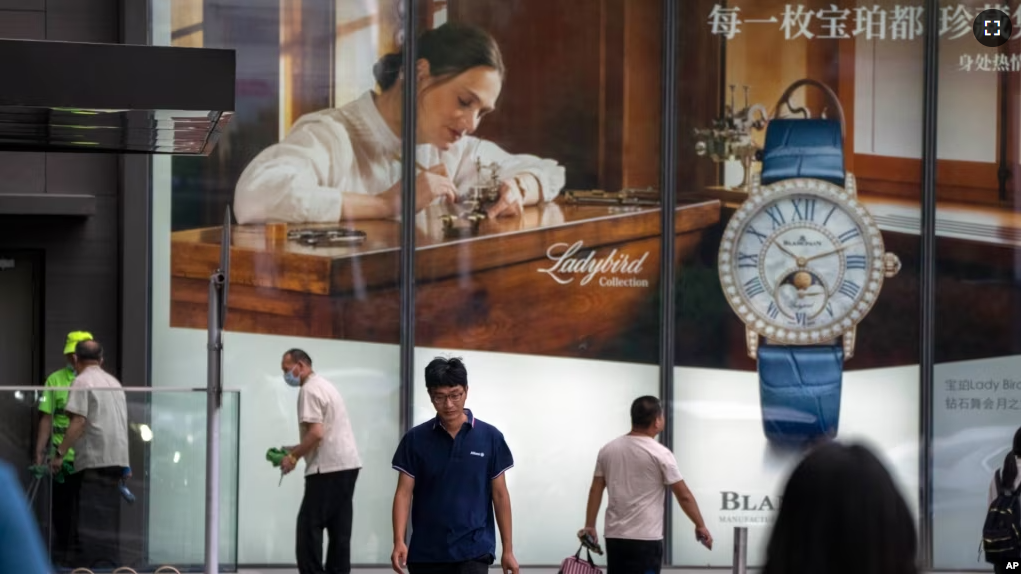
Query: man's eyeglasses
point(440, 399)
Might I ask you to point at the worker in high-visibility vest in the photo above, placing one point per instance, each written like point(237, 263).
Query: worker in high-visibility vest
point(52, 425)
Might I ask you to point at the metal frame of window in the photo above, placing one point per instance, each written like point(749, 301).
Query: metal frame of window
point(927, 280)
point(667, 246)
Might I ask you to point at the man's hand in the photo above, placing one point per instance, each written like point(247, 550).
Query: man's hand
point(399, 557)
point(591, 531)
point(703, 536)
point(40, 458)
point(56, 463)
point(288, 464)
point(509, 564)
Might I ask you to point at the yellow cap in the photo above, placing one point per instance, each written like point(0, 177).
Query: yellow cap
point(75, 337)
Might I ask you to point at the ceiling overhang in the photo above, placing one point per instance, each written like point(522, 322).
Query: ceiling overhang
point(114, 98)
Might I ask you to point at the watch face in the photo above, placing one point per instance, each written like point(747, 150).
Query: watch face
point(801, 261)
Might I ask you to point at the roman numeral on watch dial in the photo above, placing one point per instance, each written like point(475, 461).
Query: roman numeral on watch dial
point(776, 215)
point(804, 209)
point(849, 235)
point(749, 260)
point(849, 288)
point(829, 215)
point(856, 262)
point(762, 237)
point(753, 287)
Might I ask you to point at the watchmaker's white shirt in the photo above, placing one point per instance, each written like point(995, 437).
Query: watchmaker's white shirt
point(351, 149)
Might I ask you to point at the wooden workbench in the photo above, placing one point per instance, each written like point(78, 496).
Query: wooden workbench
point(479, 293)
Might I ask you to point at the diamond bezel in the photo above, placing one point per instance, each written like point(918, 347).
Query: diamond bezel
point(761, 196)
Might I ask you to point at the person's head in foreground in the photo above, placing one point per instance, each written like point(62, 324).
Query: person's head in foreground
point(842, 514)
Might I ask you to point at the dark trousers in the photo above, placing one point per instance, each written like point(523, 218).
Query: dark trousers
point(477, 566)
point(328, 505)
point(64, 520)
point(99, 517)
point(633, 556)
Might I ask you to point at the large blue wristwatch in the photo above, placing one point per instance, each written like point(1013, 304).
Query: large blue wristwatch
point(801, 263)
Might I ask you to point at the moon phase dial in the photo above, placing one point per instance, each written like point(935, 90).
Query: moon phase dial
point(801, 294)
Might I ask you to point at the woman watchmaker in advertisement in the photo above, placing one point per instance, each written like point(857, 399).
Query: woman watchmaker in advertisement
point(344, 164)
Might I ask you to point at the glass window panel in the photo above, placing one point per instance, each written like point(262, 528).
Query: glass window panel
point(91, 505)
point(736, 61)
point(553, 302)
point(296, 166)
point(976, 395)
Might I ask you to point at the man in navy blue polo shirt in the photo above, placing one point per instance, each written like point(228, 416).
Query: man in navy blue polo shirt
point(451, 476)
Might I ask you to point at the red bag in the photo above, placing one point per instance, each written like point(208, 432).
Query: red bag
point(575, 564)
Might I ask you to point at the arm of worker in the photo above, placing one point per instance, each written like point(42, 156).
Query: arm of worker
point(690, 507)
point(42, 438)
point(47, 403)
point(77, 410)
point(405, 465)
point(75, 430)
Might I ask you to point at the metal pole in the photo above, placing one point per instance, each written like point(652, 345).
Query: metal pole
point(213, 397)
point(927, 281)
point(407, 256)
point(668, 211)
point(740, 550)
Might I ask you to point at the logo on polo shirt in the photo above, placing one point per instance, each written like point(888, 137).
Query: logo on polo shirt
point(473, 453)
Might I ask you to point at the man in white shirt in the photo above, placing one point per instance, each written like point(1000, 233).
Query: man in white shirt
point(98, 432)
point(636, 469)
point(331, 468)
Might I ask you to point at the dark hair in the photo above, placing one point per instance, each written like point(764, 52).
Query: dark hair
point(441, 372)
point(644, 411)
point(88, 351)
point(1009, 473)
point(299, 356)
point(450, 50)
point(841, 513)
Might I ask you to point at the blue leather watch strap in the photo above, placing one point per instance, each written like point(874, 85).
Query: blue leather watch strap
point(803, 148)
point(800, 391)
point(800, 385)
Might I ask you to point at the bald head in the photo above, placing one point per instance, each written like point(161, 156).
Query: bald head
point(88, 352)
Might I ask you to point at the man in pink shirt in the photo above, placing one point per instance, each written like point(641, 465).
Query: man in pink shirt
point(636, 469)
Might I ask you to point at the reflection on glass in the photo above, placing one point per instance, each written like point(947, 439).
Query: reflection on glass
point(131, 448)
point(976, 394)
point(295, 158)
point(797, 323)
point(544, 275)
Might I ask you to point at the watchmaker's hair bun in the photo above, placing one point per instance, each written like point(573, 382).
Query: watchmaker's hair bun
point(388, 69)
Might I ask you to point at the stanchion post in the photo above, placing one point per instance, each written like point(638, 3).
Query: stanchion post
point(740, 550)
